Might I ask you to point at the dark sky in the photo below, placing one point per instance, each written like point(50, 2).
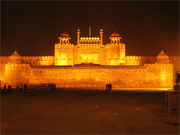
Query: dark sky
point(32, 28)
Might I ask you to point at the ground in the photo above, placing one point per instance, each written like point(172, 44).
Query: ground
point(77, 111)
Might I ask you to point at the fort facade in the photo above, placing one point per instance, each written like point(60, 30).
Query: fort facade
point(90, 63)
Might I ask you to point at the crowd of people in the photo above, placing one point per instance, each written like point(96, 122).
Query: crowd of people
point(18, 88)
point(53, 86)
point(108, 87)
point(29, 89)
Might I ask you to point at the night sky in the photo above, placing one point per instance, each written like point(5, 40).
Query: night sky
point(32, 28)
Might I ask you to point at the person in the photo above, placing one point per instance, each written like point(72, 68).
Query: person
point(4, 87)
point(110, 86)
point(20, 87)
point(25, 88)
point(17, 87)
point(106, 86)
point(9, 88)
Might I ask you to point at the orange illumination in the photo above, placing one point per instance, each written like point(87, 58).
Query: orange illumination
point(90, 65)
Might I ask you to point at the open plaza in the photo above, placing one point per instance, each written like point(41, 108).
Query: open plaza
point(87, 111)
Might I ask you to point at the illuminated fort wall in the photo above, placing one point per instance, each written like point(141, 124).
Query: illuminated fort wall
point(130, 75)
point(149, 75)
point(110, 65)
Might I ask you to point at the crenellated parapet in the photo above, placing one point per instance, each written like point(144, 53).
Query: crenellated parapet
point(89, 40)
point(38, 60)
point(4, 59)
point(64, 46)
point(140, 60)
point(115, 46)
point(174, 58)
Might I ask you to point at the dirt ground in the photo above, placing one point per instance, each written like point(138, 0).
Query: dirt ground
point(75, 111)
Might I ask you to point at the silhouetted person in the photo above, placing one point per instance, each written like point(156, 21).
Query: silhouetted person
point(9, 88)
point(20, 87)
point(106, 86)
point(17, 87)
point(110, 86)
point(25, 88)
point(4, 87)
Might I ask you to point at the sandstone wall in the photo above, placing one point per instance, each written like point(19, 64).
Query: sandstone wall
point(140, 60)
point(175, 60)
point(38, 60)
point(147, 76)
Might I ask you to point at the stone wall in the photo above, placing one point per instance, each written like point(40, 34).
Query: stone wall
point(147, 76)
point(175, 60)
point(38, 60)
point(140, 60)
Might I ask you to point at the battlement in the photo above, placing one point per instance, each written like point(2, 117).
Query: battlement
point(115, 46)
point(89, 46)
point(89, 38)
point(4, 57)
point(38, 60)
point(141, 58)
point(64, 46)
point(26, 58)
point(174, 57)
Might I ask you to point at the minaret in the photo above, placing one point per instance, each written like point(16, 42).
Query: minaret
point(90, 31)
point(101, 36)
point(78, 35)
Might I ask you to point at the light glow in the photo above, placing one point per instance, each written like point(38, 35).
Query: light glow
point(89, 65)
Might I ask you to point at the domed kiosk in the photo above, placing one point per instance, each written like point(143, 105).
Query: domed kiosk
point(115, 34)
point(163, 58)
point(115, 37)
point(15, 58)
point(64, 38)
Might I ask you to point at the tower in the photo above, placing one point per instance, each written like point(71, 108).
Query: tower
point(63, 53)
point(116, 52)
point(101, 35)
point(78, 35)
